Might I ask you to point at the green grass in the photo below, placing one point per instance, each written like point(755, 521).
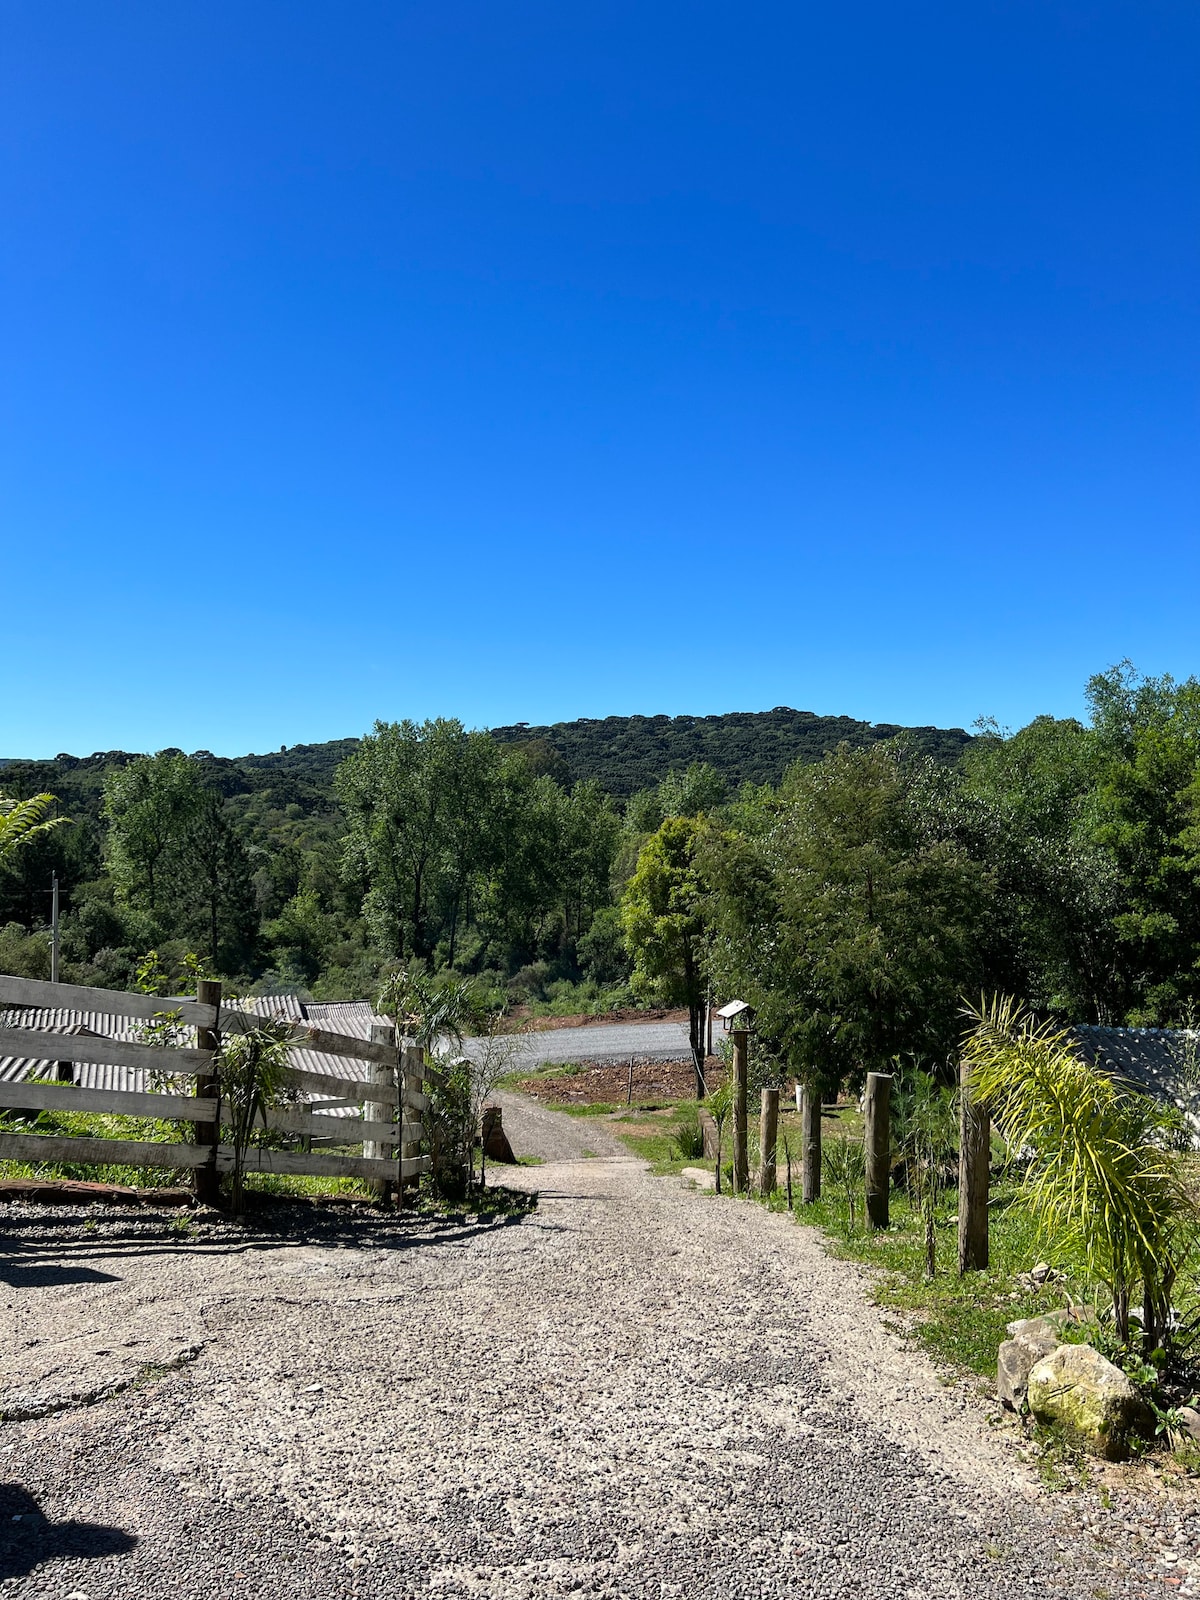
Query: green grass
point(961, 1321)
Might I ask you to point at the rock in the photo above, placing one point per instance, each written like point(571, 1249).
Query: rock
point(699, 1177)
point(1190, 1418)
point(1090, 1398)
point(1030, 1340)
point(1042, 1273)
point(495, 1141)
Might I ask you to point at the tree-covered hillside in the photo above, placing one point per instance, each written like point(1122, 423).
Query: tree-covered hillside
point(625, 754)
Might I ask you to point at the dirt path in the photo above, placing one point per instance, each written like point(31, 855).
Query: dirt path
point(634, 1391)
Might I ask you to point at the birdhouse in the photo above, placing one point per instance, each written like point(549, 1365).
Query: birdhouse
point(737, 1014)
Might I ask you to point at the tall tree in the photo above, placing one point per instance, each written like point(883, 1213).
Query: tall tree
point(417, 805)
point(663, 911)
point(848, 918)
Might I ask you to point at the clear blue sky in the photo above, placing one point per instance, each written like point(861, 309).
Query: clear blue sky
point(536, 361)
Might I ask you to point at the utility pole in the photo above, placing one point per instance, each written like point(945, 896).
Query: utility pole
point(54, 931)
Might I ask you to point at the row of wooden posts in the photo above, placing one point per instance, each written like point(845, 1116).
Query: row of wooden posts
point(974, 1151)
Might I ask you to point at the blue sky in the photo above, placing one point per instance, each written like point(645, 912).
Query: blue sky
point(534, 361)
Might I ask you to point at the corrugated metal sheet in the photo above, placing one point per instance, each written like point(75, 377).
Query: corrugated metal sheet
point(353, 1018)
point(1161, 1062)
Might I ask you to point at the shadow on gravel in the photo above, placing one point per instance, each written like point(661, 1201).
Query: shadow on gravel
point(27, 1537)
point(37, 1274)
point(39, 1250)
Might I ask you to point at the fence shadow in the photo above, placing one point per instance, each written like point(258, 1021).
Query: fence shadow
point(37, 1252)
point(28, 1537)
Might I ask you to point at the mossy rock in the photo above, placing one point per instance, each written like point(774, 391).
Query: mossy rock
point(1089, 1398)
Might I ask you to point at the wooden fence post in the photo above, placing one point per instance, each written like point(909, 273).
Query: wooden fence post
point(375, 1111)
point(768, 1137)
point(878, 1142)
point(810, 1135)
point(412, 1077)
point(974, 1159)
point(741, 1072)
point(208, 1183)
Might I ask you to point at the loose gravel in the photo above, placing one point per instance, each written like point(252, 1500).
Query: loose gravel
point(634, 1390)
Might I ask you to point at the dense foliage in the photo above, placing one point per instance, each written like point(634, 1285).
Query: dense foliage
point(853, 898)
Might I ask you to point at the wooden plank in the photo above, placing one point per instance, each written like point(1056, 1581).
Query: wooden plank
point(318, 1039)
point(414, 1101)
point(127, 1152)
point(62, 1097)
point(140, 1153)
point(109, 1002)
point(351, 1090)
point(34, 1045)
point(319, 1165)
point(351, 1130)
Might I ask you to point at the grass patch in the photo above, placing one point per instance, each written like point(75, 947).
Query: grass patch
point(960, 1321)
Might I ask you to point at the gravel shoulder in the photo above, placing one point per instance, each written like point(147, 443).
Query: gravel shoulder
point(634, 1390)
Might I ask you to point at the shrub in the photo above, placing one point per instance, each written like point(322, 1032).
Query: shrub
point(1106, 1182)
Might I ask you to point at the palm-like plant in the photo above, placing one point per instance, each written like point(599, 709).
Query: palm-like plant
point(1106, 1182)
point(253, 1079)
point(22, 821)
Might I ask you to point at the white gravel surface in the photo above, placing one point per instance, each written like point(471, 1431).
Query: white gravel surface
point(634, 1390)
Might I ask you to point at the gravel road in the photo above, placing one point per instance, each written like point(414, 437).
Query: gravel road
point(634, 1390)
point(606, 1041)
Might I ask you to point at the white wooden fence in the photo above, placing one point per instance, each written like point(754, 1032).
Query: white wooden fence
point(380, 1110)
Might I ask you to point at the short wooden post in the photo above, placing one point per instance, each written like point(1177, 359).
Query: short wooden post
point(974, 1160)
point(376, 1111)
point(629, 1090)
point(741, 1074)
point(877, 1140)
point(768, 1137)
point(810, 1145)
point(208, 1182)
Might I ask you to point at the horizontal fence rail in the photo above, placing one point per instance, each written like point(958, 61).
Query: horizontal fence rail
point(381, 1112)
point(32, 994)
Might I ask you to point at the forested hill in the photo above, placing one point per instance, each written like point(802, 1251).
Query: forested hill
point(625, 753)
point(631, 753)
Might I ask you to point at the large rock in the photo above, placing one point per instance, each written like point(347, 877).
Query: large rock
point(1091, 1399)
point(1029, 1340)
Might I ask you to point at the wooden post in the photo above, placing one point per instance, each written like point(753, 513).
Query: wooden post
point(412, 1077)
point(741, 1073)
point(974, 1156)
point(810, 1143)
point(877, 1139)
point(768, 1136)
point(208, 1184)
point(629, 1091)
point(375, 1111)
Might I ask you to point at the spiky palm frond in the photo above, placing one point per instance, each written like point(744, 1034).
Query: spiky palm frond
point(22, 821)
point(1106, 1181)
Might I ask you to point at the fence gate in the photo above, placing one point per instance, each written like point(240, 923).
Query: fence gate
point(122, 1068)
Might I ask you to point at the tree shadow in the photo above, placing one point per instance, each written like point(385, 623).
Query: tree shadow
point(28, 1537)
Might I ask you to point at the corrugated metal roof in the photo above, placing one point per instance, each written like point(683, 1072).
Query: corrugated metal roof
point(353, 1018)
point(1163, 1062)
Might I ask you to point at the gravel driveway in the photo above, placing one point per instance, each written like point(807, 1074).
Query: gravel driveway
point(635, 1390)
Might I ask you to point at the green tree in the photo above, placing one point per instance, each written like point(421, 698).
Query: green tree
point(149, 806)
point(663, 911)
point(418, 803)
point(173, 854)
point(850, 918)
